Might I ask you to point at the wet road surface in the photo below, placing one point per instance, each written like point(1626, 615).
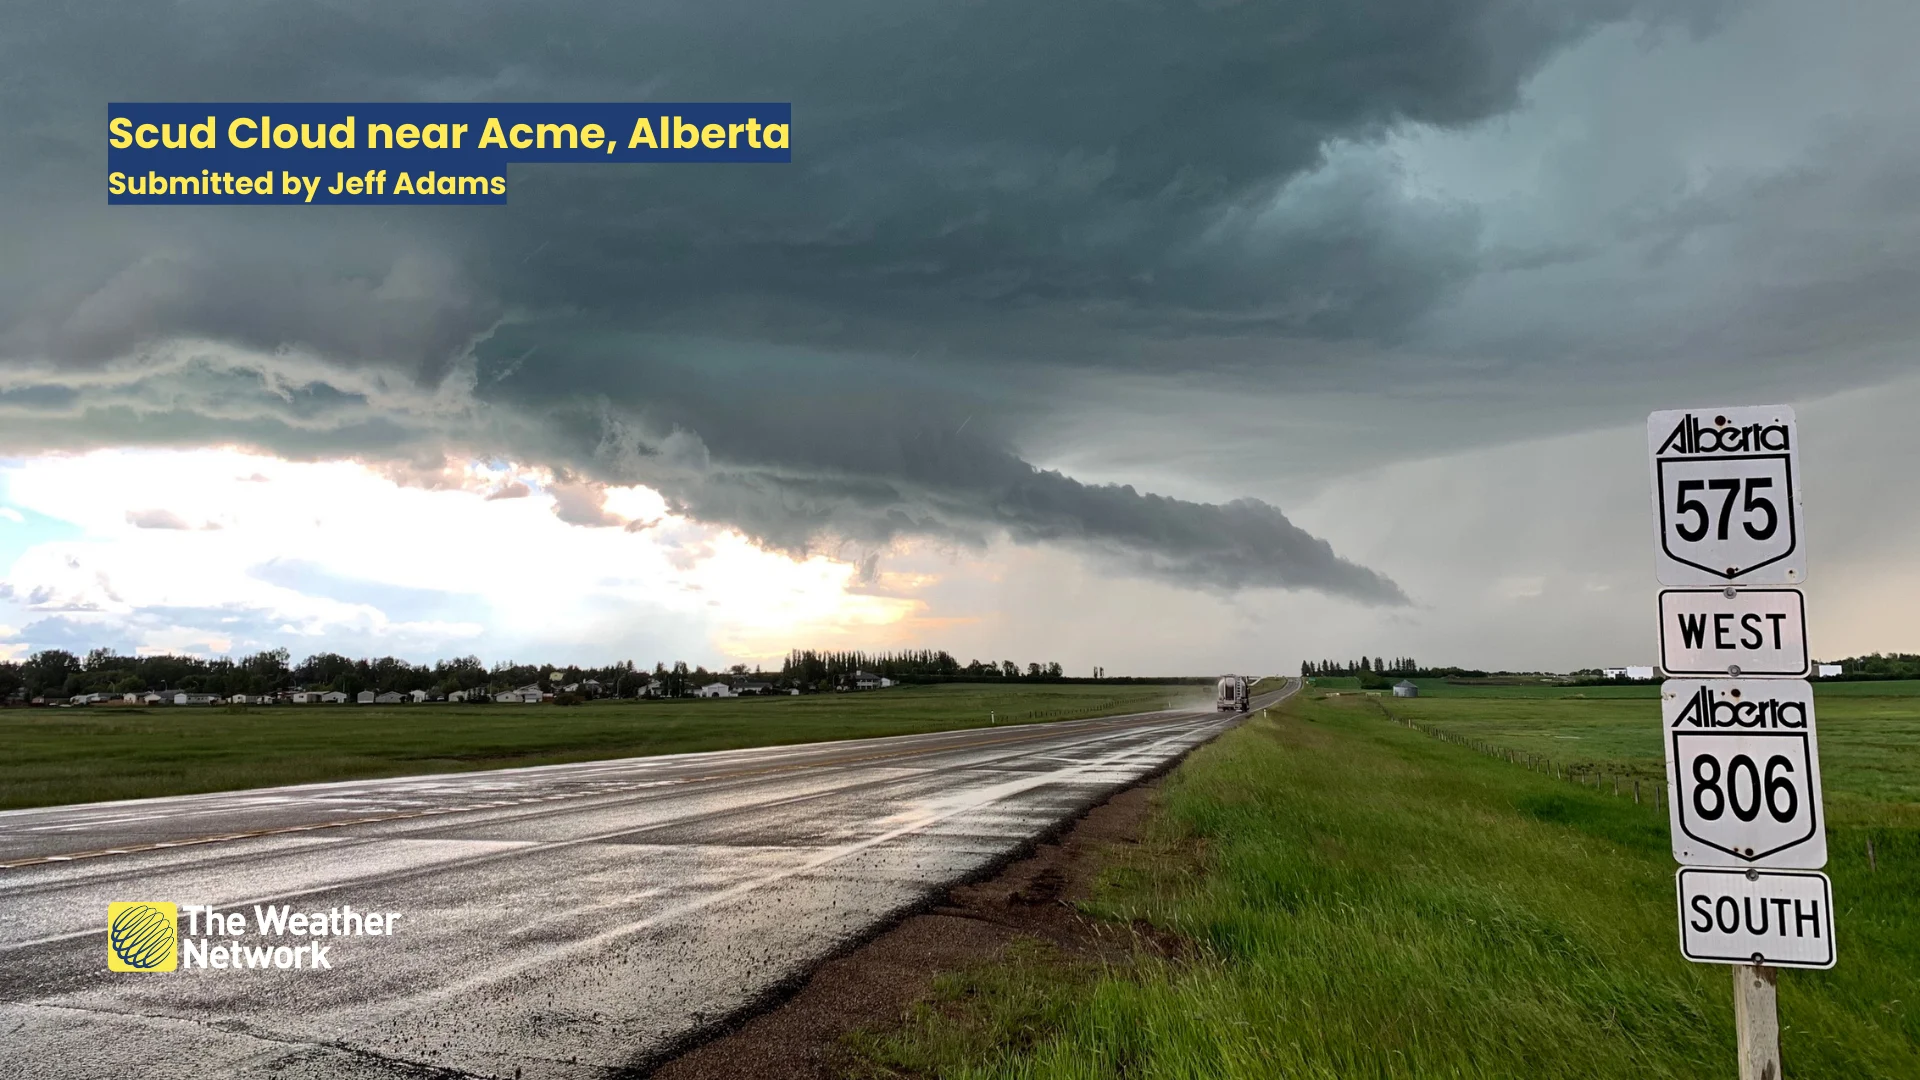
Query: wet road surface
point(562, 921)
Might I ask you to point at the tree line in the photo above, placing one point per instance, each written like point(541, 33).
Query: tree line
point(1876, 666)
point(806, 667)
point(57, 674)
point(1405, 667)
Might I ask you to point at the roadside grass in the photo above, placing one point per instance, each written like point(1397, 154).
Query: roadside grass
point(85, 755)
point(1367, 901)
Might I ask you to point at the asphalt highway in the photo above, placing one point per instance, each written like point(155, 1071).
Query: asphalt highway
point(562, 921)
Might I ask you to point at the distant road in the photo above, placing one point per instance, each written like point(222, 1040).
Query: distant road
point(561, 921)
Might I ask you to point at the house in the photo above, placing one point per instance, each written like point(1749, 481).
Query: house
point(195, 699)
point(457, 695)
point(591, 688)
point(366, 697)
point(1403, 688)
point(1629, 672)
point(529, 694)
point(418, 696)
point(755, 688)
point(307, 697)
point(334, 697)
point(151, 698)
point(713, 690)
point(1828, 671)
point(92, 699)
point(866, 681)
point(390, 697)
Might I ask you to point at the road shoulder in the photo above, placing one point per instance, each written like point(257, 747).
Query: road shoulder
point(870, 988)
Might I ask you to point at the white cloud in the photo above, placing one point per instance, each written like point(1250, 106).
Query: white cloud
point(217, 550)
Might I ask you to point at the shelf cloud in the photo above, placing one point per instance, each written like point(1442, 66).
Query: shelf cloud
point(996, 214)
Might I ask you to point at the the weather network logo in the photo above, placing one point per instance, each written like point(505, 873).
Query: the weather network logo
point(142, 936)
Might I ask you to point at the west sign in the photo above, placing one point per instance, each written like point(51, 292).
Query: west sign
point(1733, 632)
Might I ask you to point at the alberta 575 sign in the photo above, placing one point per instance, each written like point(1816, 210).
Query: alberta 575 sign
point(1743, 767)
point(1727, 497)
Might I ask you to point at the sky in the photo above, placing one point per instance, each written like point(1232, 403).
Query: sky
point(1164, 337)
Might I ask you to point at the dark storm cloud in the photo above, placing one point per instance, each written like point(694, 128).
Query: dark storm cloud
point(851, 347)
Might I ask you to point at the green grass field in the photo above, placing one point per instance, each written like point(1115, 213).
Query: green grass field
point(1364, 900)
point(83, 755)
point(1869, 739)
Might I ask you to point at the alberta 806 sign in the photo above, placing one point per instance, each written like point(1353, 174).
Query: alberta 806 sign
point(1727, 496)
point(1745, 773)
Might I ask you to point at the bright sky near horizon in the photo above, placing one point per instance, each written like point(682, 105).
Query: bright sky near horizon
point(1232, 336)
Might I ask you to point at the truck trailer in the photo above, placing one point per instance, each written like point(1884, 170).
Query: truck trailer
point(1232, 694)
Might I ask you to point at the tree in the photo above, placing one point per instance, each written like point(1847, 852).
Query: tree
point(48, 673)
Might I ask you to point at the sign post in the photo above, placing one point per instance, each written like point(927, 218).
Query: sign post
point(1743, 758)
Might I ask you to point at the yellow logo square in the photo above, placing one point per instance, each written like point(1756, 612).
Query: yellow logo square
point(142, 935)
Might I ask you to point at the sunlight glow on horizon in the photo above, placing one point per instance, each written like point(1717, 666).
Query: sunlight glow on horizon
point(214, 551)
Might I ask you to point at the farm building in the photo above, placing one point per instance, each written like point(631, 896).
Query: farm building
point(1403, 688)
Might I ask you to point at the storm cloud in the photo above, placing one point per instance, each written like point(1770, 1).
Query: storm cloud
point(996, 213)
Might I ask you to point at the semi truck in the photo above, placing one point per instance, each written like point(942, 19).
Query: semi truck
point(1232, 694)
